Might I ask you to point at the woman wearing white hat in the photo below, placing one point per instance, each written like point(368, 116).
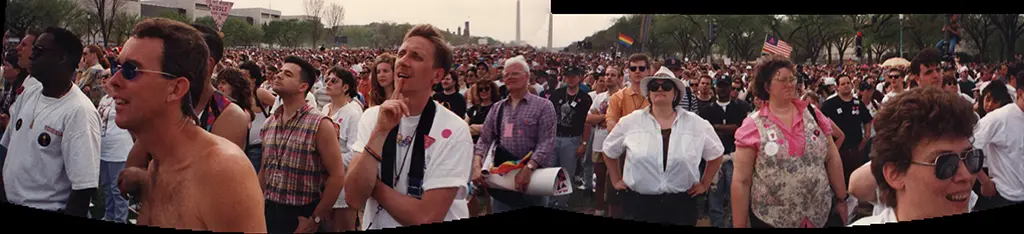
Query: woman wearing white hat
point(664, 145)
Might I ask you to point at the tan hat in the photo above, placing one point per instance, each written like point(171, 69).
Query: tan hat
point(663, 74)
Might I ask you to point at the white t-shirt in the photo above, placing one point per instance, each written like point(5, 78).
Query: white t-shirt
point(600, 104)
point(310, 99)
point(347, 119)
point(883, 216)
point(448, 162)
point(639, 136)
point(999, 135)
point(116, 142)
point(60, 153)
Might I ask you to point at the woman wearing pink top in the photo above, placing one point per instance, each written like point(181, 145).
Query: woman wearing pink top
point(787, 173)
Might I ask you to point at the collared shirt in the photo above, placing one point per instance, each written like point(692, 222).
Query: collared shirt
point(639, 136)
point(530, 126)
point(998, 134)
point(292, 167)
point(623, 103)
point(748, 136)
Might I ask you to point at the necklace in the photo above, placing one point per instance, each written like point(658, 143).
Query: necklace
point(32, 123)
point(398, 174)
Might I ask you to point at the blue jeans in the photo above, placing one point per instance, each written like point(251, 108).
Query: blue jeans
point(565, 157)
point(255, 154)
point(116, 207)
point(588, 165)
point(719, 195)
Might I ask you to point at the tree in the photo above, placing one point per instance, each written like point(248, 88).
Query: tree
point(978, 29)
point(207, 21)
point(105, 14)
point(1010, 27)
point(175, 16)
point(287, 33)
point(123, 25)
point(239, 33)
point(314, 8)
point(924, 30)
point(335, 15)
point(22, 14)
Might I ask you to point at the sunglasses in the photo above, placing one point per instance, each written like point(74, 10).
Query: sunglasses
point(948, 163)
point(333, 80)
point(484, 89)
point(737, 89)
point(663, 85)
point(635, 68)
point(129, 70)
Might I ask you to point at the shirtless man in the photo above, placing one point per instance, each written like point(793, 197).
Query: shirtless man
point(196, 180)
point(216, 113)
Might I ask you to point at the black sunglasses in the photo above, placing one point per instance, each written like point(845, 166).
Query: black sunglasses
point(634, 68)
point(664, 85)
point(129, 70)
point(948, 163)
point(485, 89)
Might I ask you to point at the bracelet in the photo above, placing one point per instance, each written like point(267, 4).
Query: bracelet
point(372, 154)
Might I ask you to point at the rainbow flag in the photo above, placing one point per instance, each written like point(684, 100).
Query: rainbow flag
point(625, 40)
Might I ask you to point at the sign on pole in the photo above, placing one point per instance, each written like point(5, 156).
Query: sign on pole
point(219, 10)
point(482, 41)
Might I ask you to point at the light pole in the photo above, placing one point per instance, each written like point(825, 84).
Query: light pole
point(901, 35)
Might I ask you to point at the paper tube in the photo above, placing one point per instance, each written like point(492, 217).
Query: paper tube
point(551, 181)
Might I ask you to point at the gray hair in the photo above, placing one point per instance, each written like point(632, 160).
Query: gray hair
point(518, 60)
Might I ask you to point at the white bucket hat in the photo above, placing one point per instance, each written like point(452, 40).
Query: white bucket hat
point(663, 74)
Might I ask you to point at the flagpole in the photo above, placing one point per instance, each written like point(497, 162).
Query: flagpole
point(762, 44)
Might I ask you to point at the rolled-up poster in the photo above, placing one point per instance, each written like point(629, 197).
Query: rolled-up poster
point(552, 181)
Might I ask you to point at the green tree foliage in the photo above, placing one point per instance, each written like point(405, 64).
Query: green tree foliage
point(175, 16)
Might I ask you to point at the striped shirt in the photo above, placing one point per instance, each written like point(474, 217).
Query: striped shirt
point(529, 127)
point(292, 168)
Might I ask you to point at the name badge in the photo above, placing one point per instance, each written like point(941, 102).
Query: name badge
point(573, 104)
point(507, 132)
point(839, 111)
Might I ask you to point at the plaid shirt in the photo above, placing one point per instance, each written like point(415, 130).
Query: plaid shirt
point(532, 129)
point(293, 171)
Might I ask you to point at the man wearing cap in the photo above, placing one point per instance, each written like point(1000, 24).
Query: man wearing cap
point(725, 115)
point(571, 107)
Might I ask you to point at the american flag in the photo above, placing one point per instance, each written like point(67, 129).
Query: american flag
point(773, 45)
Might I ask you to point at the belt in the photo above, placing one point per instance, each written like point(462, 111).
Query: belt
point(567, 135)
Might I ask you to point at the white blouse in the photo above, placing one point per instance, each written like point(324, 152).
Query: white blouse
point(639, 136)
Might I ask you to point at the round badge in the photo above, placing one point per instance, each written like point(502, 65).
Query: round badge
point(771, 148)
point(44, 139)
point(446, 133)
point(17, 125)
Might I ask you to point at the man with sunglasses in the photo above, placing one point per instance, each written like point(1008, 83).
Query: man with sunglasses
point(196, 180)
point(924, 165)
point(53, 141)
point(897, 84)
point(999, 134)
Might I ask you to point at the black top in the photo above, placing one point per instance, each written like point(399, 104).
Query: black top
point(850, 117)
point(967, 87)
point(733, 114)
point(571, 111)
point(477, 114)
point(503, 92)
point(454, 102)
point(665, 136)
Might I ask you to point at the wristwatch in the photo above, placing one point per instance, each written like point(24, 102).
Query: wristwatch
point(531, 166)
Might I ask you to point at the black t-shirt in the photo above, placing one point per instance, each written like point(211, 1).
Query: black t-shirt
point(734, 113)
point(503, 92)
point(967, 87)
point(703, 103)
point(454, 102)
point(571, 111)
point(477, 115)
point(850, 117)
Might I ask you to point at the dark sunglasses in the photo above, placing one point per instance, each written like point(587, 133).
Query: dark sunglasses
point(635, 68)
point(664, 85)
point(333, 80)
point(129, 70)
point(737, 89)
point(484, 89)
point(948, 163)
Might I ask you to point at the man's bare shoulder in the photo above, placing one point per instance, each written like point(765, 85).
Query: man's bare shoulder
point(222, 156)
point(233, 115)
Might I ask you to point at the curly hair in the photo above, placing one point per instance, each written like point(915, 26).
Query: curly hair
point(764, 70)
point(377, 93)
point(908, 120)
point(241, 88)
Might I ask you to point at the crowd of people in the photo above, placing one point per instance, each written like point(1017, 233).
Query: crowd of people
point(188, 134)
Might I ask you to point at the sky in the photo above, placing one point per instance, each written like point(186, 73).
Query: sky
point(493, 18)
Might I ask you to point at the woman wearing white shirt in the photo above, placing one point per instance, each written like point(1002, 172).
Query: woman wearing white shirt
point(341, 87)
point(923, 162)
point(115, 143)
point(664, 145)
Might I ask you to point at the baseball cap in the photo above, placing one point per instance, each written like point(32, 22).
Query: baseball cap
point(864, 86)
point(673, 63)
point(573, 71)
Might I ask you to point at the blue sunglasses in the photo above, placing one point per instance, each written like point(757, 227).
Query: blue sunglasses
point(130, 71)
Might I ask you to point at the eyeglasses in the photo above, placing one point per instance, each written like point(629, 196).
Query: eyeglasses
point(737, 89)
point(788, 80)
point(635, 68)
point(484, 89)
point(947, 164)
point(333, 80)
point(130, 71)
point(663, 85)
